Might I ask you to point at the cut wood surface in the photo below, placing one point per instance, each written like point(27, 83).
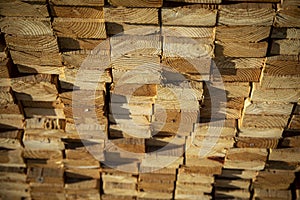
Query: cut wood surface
point(285, 33)
point(78, 2)
point(190, 32)
point(246, 158)
point(287, 18)
point(81, 28)
point(137, 3)
point(26, 26)
point(243, 49)
point(189, 16)
point(131, 15)
point(265, 121)
point(17, 8)
point(285, 47)
point(77, 12)
point(242, 33)
point(274, 95)
point(246, 14)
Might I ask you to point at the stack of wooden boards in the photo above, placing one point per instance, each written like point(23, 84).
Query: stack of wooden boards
point(160, 99)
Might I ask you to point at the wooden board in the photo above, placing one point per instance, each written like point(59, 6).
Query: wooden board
point(77, 12)
point(23, 9)
point(189, 16)
point(26, 26)
point(246, 14)
point(242, 33)
point(131, 15)
point(246, 158)
point(243, 49)
point(77, 2)
point(137, 3)
point(79, 28)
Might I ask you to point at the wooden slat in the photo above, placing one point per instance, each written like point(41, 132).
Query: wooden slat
point(77, 12)
point(246, 14)
point(189, 16)
point(78, 2)
point(80, 28)
point(131, 15)
point(137, 3)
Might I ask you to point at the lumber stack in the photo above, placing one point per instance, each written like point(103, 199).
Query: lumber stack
point(141, 100)
point(29, 37)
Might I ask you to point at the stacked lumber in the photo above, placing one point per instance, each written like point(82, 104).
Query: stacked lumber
point(82, 171)
point(12, 166)
point(118, 185)
point(187, 99)
point(29, 37)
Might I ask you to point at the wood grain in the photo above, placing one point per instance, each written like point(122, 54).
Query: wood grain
point(137, 3)
point(246, 14)
point(131, 15)
point(185, 16)
point(80, 28)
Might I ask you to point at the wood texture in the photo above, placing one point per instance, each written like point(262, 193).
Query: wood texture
point(131, 15)
point(137, 3)
point(185, 16)
point(80, 28)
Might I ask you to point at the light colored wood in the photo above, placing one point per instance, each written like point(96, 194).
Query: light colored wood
point(6, 95)
point(274, 180)
point(288, 155)
point(274, 95)
point(190, 68)
point(17, 8)
point(78, 2)
point(242, 33)
point(195, 15)
point(242, 49)
point(79, 27)
point(260, 132)
point(187, 48)
point(45, 123)
point(190, 32)
point(51, 155)
point(232, 89)
point(246, 158)
point(131, 15)
point(280, 82)
point(126, 45)
point(256, 108)
point(42, 139)
point(250, 142)
point(26, 26)
point(35, 60)
point(265, 121)
point(32, 43)
point(246, 14)
point(238, 194)
point(232, 184)
point(137, 3)
point(77, 12)
point(285, 47)
point(11, 139)
point(287, 18)
point(272, 194)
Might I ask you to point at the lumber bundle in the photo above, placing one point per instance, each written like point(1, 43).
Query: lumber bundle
point(29, 37)
point(186, 99)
